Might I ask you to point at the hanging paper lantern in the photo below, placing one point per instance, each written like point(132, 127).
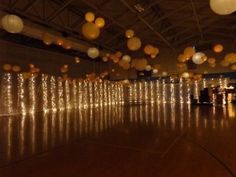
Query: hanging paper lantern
point(185, 75)
point(139, 64)
point(77, 60)
point(118, 54)
point(189, 52)
point(183, 58)
point(155, 71)
point(12, 23)
point(100, 22)
point(26, 75)
point(90, 31)
point(211, 60)
point(105, 59)
point(93, 52)
point(126, 66)
point(89, 16)
point(153, 56)
point(213, 65)
point(224, 63)
point(7, 67)
point(164, 73)
point(47, 39)
point(149, 49)
point(60, 42)
point(134, 44)
point(218, 48)
point(155, 51)
point(233, 67)
point(230, 58)
point(66, 45)
point(121, 63)
point(126, 58)
point(223, 7)
point(148, 68)
point(199, 58)
point(16, 68)
point(129, 33)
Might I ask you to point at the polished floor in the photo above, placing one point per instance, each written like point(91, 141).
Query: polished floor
point(157, 140)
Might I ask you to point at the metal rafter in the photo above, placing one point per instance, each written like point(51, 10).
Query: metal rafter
point(196, 18)
point(29, 5)
point(149, 26)
point(61, 9)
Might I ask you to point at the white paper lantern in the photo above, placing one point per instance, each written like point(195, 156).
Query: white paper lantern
point(148, 68)
point(185, 75)
point(164, 73)
point(12, 23)
point(93, 52)
point(199, 58)
point(155, 71)
point(126, 58)
point(223, 7)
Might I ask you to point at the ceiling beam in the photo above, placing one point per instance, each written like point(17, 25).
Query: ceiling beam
point(148, 25)
point(29, 5)
point(61, 9)
point(196, 18)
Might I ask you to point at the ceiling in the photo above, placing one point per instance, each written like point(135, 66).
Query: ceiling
point(165, 23)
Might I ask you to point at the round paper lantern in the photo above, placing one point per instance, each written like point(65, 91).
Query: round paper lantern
point(230, 58)
point(60, 42)
point(47, 39)
point(149, 49)
point(134, 44)
point(148, 68)
point(105, 59)
point(155, 51)
point(77, 60)
point(121, 63)
point(164, 73)
point(155, 71)
point(233, 67)
point(26, 75)
point(63, 69)
point(126, 66)
point(7, 67)
point(139, 64)
point(218, 48)
point(223, 7)
point(211, 60)
point(189, 52)
point(100, 22)
point(93, 52)
point(182, 58)
point(126, 58)
point(66, 45)
point(31, 65)
point(224, 63)
point(129, 33)
point(12, 23)
point(198, 58)
point(118, 54)
point(16, 68)
point(185, 75)
point(89, 16)
point(213, 65)
point(90, 31)
point(153, 56)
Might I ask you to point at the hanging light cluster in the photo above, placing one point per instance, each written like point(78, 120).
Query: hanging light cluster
point(91, 29)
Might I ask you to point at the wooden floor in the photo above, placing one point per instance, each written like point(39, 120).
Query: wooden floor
point(135, 141)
